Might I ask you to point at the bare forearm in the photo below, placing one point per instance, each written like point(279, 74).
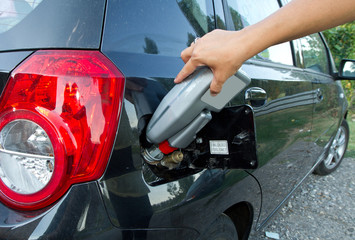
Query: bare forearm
point(225, 51)
point(300, 18)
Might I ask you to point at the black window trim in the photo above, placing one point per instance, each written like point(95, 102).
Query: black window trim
point(331, 65)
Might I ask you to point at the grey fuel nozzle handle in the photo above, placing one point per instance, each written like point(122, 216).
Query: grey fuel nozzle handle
point(186, 100)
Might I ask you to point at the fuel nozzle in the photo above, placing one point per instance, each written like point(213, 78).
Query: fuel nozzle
point(153, 155)
point(186, 109)
point(191, 101)
point(172, 160)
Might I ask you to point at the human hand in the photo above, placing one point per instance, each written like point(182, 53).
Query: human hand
point(225, 51)
point(221, 51)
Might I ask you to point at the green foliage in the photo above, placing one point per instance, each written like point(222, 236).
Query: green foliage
point(341, 41)
point(198, 18)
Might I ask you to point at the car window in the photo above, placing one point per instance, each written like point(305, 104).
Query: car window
point(13, 11)
point(314, 53)
point(164, 28)
point(248, 12)
point(33, 24)
point(196, 12)
point(284, 2)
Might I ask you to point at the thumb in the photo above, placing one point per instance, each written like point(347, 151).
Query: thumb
point(216, 86)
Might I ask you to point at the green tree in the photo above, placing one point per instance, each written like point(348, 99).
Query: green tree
point(341, 41)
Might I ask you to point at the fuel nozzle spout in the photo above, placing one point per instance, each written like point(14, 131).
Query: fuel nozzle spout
point(172, 160)
point(165, 153)
point(155, 156)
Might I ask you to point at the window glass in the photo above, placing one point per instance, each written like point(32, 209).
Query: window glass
point(298, 53)
point(314, 53)
point(219, 12)
point(33, 24)
point(196, 11)
point(252, 11)
point(13, 11)
point(284, 2)
point(248, 12)
point(156, 27)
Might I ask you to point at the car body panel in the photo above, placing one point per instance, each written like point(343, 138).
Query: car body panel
point(330, 105)
point(79, 214)
point(293, 125)
point(53, 24)
point(8, 61)
point(283, 130)
point(135, 196)
point(328, 109)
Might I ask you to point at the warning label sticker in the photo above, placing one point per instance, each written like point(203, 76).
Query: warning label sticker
point(219, 147)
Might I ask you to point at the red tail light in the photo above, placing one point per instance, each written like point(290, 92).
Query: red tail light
point(58, 120)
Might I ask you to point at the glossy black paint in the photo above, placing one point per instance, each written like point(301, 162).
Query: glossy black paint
point(288, 129)
point(80, 214)
point(8, 61)
point(137, 197)
point(136, 201)
point(283, 130)
point(152, 201)
point(57, 24)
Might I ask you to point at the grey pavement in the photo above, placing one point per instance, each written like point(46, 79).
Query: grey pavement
point(323, 207)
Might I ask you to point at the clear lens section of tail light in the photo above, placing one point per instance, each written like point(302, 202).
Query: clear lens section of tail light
point(26, 157)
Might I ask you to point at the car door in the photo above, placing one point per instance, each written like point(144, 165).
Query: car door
point(282, 99)
point(327, 108)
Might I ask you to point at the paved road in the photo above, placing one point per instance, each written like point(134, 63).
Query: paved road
point(322, 208)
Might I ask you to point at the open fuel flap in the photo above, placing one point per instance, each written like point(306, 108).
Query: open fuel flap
point(191, 129)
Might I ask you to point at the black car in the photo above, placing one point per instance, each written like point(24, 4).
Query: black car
point(80, 81)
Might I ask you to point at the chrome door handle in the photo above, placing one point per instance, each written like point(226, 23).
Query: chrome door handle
point(255, 97)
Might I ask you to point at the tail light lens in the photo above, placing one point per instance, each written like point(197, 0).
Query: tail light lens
point(58, 119)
